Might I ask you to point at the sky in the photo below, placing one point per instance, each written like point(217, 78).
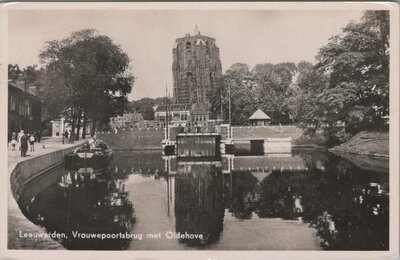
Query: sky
point(148, 36)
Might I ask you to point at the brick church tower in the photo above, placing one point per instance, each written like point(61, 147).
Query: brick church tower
point(196, 68)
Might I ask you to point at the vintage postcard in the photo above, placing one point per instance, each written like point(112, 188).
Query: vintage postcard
point(199, 130)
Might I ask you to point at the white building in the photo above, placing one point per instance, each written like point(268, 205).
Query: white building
point(59, 126)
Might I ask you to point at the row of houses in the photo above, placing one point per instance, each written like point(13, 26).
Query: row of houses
point(24, 108)
point(178, 114)
point(195, 115)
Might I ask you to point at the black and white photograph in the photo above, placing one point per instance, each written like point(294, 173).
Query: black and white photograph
point(195, 127)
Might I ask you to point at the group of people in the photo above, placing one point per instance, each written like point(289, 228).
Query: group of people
point(23, 140)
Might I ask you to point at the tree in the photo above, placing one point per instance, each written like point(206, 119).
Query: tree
point(357, 61)
point(274, 88)
point(89, 74)
point(238, 84)
point(145, 107)
point(267, 86)
point(310, 109)
point(14, 72)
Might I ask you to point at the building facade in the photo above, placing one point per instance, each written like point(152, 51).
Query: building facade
point(196, 68)
point(179, 114)
point(126, 120)
point(24, 108)
point(60, 126)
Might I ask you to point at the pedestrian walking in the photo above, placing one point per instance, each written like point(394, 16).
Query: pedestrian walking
point(66, 134)
point(32, 142)
point(23, 144)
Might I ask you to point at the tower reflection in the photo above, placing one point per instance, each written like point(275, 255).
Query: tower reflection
point(338, 199)
point(199, 207)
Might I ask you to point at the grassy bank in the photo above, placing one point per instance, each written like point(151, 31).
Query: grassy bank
point(366, 143)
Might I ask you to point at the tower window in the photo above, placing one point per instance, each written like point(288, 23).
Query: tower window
point(188, 48)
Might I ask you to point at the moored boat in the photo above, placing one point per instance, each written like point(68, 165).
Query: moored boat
point(96, 155)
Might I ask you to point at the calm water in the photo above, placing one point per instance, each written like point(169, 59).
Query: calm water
point(305, 200)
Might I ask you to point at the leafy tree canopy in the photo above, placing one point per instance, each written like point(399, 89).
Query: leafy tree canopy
point(357, 62)
point(88, 73)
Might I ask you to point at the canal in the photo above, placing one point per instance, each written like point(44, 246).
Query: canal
point(303, 200)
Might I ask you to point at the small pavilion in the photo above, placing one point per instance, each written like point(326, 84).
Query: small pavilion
point(259, 118)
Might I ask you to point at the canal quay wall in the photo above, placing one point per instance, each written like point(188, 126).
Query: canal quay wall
point(23, 171)
point(151, 138)
point(133, 139)
point(265, 132)
point(29, 170)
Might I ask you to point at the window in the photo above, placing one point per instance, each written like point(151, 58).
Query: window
point(13, 103)
point(188, 48)
point(21, 108)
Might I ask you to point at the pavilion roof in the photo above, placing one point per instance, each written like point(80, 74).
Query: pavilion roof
point(259, 115)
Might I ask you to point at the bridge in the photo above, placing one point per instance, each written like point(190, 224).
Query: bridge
point(247, 133)
point(268, 139)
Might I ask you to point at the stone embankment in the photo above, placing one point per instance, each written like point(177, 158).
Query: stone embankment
point(23, 171)
point(133, 139)
point(265, 132)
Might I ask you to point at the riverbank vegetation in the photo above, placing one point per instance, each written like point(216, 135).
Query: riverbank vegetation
point(87, 77)
point(366, 143)
point(346, 91)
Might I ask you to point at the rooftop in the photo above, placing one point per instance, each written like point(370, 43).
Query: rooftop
point(173, 107)
point(20, 86)
point(259, 115)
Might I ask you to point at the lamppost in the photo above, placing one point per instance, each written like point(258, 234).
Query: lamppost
point(230, 114)
point(222, 109)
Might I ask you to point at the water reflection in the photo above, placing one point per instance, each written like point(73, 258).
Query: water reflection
point(199, 205)
point(82, 203)
point(273, 198)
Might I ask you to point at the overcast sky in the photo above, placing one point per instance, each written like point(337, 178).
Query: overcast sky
point(251, 37)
